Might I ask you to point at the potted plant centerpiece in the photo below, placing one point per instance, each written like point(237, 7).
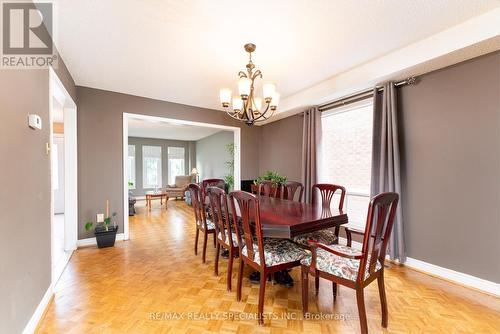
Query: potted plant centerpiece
point(273, 176)
point(105, 228)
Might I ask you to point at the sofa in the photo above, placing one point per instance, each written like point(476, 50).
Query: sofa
point(179, 188)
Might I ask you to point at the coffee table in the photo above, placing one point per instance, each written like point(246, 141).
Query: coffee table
point(150, 195)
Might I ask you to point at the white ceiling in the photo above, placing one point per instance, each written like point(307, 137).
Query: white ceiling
point(185, 51)
point(165, 130)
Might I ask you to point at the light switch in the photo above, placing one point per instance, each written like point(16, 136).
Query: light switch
point(35, 121)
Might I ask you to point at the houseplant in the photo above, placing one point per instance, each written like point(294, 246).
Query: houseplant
point(105, 230)
point(229, 178)
point(269, 175)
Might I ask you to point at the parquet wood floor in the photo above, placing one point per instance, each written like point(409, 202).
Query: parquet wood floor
point(131, 288)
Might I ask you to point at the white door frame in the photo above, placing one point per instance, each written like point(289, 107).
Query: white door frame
point(58, 92)
point(127, 116)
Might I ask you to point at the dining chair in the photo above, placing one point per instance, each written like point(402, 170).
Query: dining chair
point(203, 223)
point(265, 255)
point(267, 188)
point(220, 183)
point(290, 189)
point(354, 268)
point(322, 192)
point(226, 234)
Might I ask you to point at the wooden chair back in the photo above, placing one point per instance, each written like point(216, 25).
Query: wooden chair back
point(326, 192)
point(290, 189)
point(267, 188)
point(249, 210)
point(379, 224)
point(220, 213)
point(199, 212)
point(220, 183)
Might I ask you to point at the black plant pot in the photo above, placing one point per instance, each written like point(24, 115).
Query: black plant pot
point(106, 238)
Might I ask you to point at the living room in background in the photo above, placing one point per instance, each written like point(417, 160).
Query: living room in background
point(345, 155)
point(170, 148)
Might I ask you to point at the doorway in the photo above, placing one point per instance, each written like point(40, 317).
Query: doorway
point(63, 157)
point(172, 154)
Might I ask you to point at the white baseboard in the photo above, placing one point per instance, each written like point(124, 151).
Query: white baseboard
point(39, 311)
point(454, 276)
point(93, 241)
point(446, 274)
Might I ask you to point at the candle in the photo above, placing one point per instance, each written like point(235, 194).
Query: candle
point(107, 208)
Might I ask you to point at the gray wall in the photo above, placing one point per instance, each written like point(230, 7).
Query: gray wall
point(281, 147)
point(100, 132)
point(25, 259)
point(164, 144)
point(451, 154)
point(211, 155)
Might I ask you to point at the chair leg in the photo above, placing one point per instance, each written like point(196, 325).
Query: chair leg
point(240, 279)
point(205, 238)
point(215, 239)
point(334, 288)
point(196, 241)
point(316, 282)
point(230, 269)
point(262, 292)
point(216, 264)
point(305, 289)
point(383, 299)
point(360, 297)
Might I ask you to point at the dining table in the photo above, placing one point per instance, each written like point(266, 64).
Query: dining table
point(285, 219)
point(281, 218)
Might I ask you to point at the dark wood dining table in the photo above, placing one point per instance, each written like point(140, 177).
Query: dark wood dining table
point(281, 218)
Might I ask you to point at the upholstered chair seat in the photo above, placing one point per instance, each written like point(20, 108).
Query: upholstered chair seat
point(340, 266)
point(277, 251)
point(327, 236)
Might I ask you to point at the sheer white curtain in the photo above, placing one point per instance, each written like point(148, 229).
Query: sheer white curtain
point(176, 163)
point(151, 167)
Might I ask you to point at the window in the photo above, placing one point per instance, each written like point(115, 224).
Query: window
point(131, 166)
point(176, 160)
point(346, 151)
point(151, 166)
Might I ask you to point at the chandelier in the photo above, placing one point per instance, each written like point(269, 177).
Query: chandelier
point(247, 107)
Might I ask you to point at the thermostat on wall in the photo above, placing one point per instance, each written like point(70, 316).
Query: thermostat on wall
point(35, 121)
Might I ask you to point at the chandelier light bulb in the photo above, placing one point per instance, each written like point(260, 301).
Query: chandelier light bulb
point(275, 100)
point(257, 102)
point(268, 91)
point(225, 97)
point(237, 103)
point(244, 85)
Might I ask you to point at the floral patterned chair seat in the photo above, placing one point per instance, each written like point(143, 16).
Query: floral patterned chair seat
point(326, 236)
point(210, 224)
point(235, 240)
point(337, 265)
point(277, 251)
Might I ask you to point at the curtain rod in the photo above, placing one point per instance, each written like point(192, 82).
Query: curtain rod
point(355, 97)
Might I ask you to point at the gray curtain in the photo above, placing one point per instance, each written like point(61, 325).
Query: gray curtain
point(311, 132)
point(386, 174)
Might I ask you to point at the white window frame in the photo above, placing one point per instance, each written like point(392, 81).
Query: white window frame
point(145, 184)
point(349, 194)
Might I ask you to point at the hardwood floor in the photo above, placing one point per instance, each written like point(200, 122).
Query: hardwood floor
point(154, 283)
